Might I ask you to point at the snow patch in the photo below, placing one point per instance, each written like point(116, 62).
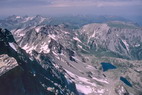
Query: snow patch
point(25, 47)
point(80, 46)
point(101, 91)
point(56, 66)
point(126, 44)
point(28, 19)
point(137, 45)
point(42, 19)
point(52, 36)
point(70, 73)
point(68, 80)
point(101, 80)
point(75, 38)
point(18, 17)
point(94, 34)
point(55, 53)
point(81, 79)
point(37, 29)
point(84, 89)
point(85, 80)
point(18, 32)
point(29, 49)
point(65, 32)
point(12, 45)
point(90, 67)
point(45, 48)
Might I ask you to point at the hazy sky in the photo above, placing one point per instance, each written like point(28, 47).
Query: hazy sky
point(64, 7)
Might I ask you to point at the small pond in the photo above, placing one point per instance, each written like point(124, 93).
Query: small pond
point(124, 80)
point(107, 66)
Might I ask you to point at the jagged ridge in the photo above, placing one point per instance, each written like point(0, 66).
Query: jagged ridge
point(30, 77)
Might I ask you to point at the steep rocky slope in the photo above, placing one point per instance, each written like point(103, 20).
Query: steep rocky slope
point(22, 74)
point(117, 39)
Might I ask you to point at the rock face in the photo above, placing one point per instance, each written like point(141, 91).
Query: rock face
point(22, 74)
point(117, 39)
point(7, 63)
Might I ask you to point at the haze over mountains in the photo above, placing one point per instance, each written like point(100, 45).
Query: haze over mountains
point(74, 22)
point(70, 56)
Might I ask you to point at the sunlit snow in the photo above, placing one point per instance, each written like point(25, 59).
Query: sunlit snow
point(12, 45)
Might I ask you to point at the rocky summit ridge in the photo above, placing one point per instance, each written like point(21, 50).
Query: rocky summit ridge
point(22, 74)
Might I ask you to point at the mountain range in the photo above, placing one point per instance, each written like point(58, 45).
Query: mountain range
point(42, 57)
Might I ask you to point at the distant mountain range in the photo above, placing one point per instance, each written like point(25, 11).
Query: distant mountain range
point(74, 22)
point(13, 22)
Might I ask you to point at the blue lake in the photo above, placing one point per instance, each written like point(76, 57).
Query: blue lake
point(107, 66)
point(125, 81)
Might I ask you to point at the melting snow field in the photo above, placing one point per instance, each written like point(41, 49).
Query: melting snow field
point(82, 84)
point(83, 89)
point(43, 47)
point(85, 85)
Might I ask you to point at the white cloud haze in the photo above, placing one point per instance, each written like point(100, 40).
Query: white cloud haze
point(61, 7)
